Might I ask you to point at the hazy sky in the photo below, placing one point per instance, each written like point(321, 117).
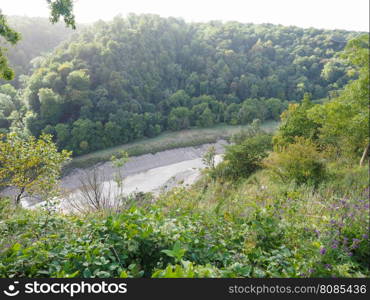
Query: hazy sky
point(330, 14)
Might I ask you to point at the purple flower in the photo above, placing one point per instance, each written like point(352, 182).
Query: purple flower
point(350, 253)
point(334, 246)
point(322, 251)
point(328, 266)
point(365, 236)
point(355, 244)
point(311, 270)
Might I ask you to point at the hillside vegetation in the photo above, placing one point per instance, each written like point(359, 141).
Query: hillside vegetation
point(291, 204)
point(136, 77)
point(38, 37)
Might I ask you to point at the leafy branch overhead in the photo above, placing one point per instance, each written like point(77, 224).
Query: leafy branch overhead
point(30, 165)
point(62, 8)
point(58, 9)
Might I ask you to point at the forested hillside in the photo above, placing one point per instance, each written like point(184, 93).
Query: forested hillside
point(294, 204)
point(138, 76)
point(38, 37)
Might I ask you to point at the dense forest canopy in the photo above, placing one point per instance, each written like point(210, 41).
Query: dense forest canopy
point(137, 76)
point(38, 37)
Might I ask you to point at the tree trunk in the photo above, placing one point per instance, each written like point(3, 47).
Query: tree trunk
point(19, 196)
point(365, 154)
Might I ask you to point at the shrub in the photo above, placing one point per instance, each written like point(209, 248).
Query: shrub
point(299, 162)
point(243, 159)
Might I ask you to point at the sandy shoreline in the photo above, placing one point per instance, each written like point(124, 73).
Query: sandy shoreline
point(142, 167)
point(142, 163)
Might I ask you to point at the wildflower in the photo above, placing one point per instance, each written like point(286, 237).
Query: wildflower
point(350, 253)
point(365, 236)
point(327, 266)
point(311, 270)
point(322, 251)
point(334, 246)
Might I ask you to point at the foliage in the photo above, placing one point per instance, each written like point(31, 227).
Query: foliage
point(285, 237)
point(58, 8)
point(62, 8)
point(209, 158)
point(296, 123)
point(344, 121)
point(12, 37)
point(239, 223)
point(118, 162)
point(30, 165)
point(242, 160)
point(187, 270)
point(128, 79)
point(299, 162)
point(39, 37)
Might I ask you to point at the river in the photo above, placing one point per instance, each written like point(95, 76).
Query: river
point(154, 173)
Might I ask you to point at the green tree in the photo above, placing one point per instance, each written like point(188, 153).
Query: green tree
point(58, 8)
point(12, 37)
point(30, 165)
point(179, 118)
point(62, 135)
point(206, 119)
point(243, 159)
point(299, 162)
point(296, 123)
point(209, 157)
point(50, 106)
point(118, 161)
point(275, 107)
point(344, 121)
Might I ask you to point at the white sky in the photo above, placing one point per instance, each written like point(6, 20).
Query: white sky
point(329, 14)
